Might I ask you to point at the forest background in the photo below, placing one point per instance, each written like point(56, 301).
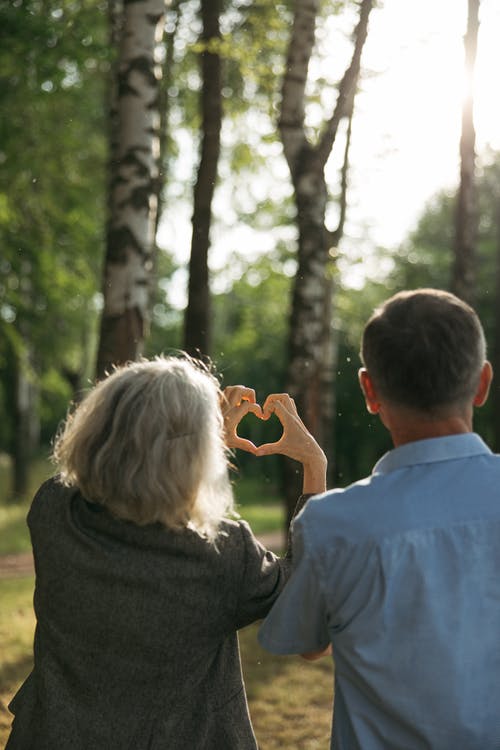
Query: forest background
point(273, 284)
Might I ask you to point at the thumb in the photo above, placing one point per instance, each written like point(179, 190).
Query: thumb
point(268, 449)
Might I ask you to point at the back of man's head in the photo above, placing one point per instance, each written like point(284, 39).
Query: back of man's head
point(424, 350)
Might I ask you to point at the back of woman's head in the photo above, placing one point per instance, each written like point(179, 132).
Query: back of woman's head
point(147, 442)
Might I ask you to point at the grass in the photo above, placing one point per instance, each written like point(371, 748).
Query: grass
point(17, 622)
point(290, 699)
point(259, 503)
point(14, 536)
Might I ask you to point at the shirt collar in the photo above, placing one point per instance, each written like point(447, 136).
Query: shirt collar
point(431, 450)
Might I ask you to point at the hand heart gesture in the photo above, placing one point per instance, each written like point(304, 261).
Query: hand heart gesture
point(296, 441)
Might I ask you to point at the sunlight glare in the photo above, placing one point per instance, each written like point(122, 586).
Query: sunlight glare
point(405, 140)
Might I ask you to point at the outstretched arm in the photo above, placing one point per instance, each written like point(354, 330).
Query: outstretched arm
point(296, 442)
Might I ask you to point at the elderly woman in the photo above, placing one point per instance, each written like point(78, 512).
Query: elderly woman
point(141, 579)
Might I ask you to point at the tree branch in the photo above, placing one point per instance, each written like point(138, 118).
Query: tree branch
point(336, 235)
point(347, 85)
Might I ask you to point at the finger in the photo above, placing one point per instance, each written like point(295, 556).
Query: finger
point(235, 414)
point(235, 394)
point(255, 409)
point(272, 401)
point(244, 445)
point(269, 449)
point(293, 406)
point(232, 419)
point(286, 412)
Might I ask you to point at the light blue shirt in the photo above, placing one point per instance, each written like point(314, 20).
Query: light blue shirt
point(401, 573)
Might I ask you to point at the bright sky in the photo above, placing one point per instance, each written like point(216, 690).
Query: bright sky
point(405, 144)
point(406, 137)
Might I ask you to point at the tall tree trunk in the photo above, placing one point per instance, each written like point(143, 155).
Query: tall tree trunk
point(27, 424)
point(115, 23)
point(463, 281)
point(133, 189)
point(311, 368)
point(495, 353)
point(173, 20)
point(197, 322)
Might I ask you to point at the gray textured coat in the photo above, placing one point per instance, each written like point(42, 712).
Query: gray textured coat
point(136, 645)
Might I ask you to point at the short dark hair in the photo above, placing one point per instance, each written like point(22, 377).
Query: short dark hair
point(424, 349)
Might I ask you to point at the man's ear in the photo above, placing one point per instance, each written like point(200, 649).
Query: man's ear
point(483, 388)
point(366, 383)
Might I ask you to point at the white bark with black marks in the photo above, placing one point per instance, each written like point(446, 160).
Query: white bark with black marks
point(311, 368)
point(133, 189)
point(463, 282)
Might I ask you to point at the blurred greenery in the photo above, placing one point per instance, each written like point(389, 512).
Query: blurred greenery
point(259, 502)
point(14, 535)
point(14, 532)
point(55, 59)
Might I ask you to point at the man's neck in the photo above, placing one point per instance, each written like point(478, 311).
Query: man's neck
point(407, 426)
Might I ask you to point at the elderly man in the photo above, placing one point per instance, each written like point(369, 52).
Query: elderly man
point(399, 574)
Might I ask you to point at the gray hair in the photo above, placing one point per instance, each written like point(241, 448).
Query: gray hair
point(147, 442)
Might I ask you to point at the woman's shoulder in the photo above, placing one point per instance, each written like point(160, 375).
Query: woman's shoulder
point(236, 529)
point(51, 494)
point(237, 535)
point(234, 534)
point(53, 486)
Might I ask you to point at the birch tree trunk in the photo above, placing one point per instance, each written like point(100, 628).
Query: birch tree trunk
point(197, 321)
point(27, 422)
point(495, 353)
point(463, 281)
point(133, 189)
point(311, 368)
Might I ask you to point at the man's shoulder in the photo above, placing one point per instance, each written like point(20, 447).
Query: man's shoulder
point(360, 491)
point(334, 510)
point(407, 496)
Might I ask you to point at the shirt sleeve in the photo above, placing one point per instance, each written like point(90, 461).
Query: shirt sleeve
point(264, 574)
point(297, 623)
point(262, 579)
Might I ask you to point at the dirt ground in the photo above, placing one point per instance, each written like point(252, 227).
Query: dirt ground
point(15, 566)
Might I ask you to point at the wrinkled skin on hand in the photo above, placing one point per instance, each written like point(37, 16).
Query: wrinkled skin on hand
point(236, 402)
point(296, 441)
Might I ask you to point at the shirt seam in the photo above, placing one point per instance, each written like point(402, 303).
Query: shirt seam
point(243, 574)
point(316, 564)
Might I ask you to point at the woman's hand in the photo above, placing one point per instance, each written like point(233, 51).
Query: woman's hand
point(236, 401)
point(296, 442)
